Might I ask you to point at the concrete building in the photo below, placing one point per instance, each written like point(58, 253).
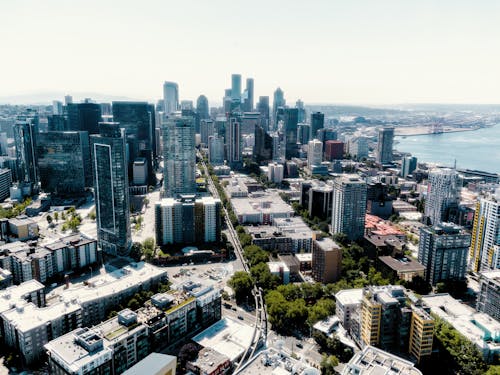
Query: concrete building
point(314, 153)
point(488, 299)
point(348, 302)
point(358, 148)
point(207, 130)
point(372, 360)
point(326, 261)
point(443, 195)
point(403, 268)
point(281, 270)
point(275, 172)
point(334, 150)
point(216, 150)
point(154, 364)
point(233, 143)
point(5, 183)
point(23, 228)
point(209, 362)
point(385, 145)
point(408, 165)
point(477, 327)
point(349, 206)
point(484, 253)
point(260, 208)
point(187, 220)
point(442, 250)
point(316, 197)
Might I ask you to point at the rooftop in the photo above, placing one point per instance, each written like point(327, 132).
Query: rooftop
point(349, 296)
point(327, 244)
point(152, 364)
point(274, 362)
point(493, 275)
point(16, 294)
point(304, 257)
point(404, 264)
point(380, 227)
point(208, 360)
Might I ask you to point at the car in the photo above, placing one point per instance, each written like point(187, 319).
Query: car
point(233, 308)
point(299, 345)
point(240, 317)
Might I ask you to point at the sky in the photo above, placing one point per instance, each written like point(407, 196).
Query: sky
point(322, 51)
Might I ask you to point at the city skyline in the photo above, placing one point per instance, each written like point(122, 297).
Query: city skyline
point(360, 53)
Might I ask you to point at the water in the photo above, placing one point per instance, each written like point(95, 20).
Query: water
point(479, 149)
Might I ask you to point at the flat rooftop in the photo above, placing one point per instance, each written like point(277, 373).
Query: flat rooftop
point(304, 257)
point(208, 360)
point(375, 361)
point(349, 296)
point(275, 362)
point(227, 336)
point(152, 364)
point(404, 264)
point(327, 244)
point(16, 294)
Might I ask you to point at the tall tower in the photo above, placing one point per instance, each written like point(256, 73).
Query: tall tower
point(408, 165)
point(317, 123)
point(249, 99)
point(484, 253)
point(442, 249)
point(236, 87)
point(263, 109)
point(179, 156)
point(84, 117)
point(290, 131)
point(278, 101)
point(314, 153)
point(170, 97)
point(233, 143)
point(384, 145)
point(443, 194)
point(25, 137)
point(349, 206)
point(202, 107)
point(109, 162)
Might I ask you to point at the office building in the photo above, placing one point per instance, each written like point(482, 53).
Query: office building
point(349, 206)
point(303, 131)
point(138, 120)
point(275, 173)
point(247, 98)
point(57, 123)
point(478, 328)
point(249, 120)
point(391, 321)
point(25, 138)
point(140, 172)
point(236, 88)
point(314, 154)
point(202, 108)
point(408, 165)
point(170, 97)
point(179, 156)
point(216, 150)
point(207, 129)
point(5, 183)
point(290, 119)
point(278, 102)
point(317, 123)
point(187, 220)
point(488, 299)
point(57, 107)
point(83, 117)
point(326, 260)
point(233, 143)
point(334, 150)
point(442, 250)
point(263, 109)
point(111, 183)
point(385, 145)
point(358, 148)
point(64, 162)
point(263, 146)
point(372, 360)
point(443, 195)
point(316, 198)
point(484, 251)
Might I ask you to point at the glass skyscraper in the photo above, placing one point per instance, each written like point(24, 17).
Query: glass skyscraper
point(25, 137)
point(111, 188)
point(170, 97)
point(290, 130)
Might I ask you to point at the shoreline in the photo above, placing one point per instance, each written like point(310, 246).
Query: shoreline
point(419, 131)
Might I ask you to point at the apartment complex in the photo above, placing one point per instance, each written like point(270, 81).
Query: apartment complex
point(488, 299)
point(326, 260)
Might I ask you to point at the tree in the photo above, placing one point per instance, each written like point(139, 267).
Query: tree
point(56, 216)
point(133, 304)
point(328, 364)
point(242, 285)
point(148, 248)
point(136, 251)
point(188, 352)
point(263, 276)
point(49, 219)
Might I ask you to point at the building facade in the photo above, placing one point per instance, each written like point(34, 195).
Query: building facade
point(488, 299)
point(443, 194)
point(385, 145)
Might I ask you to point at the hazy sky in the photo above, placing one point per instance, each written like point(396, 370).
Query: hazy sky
point(329, 51)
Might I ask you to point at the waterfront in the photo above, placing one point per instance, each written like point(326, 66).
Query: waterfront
point(479, 149)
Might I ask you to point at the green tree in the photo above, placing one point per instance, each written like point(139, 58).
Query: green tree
point(328, 364)
point(242, 285)
point(49, 219)
point(56, 216)
point(263, 276)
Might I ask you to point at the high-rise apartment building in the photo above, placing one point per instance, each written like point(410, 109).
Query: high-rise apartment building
point(25, 137)
point(326, 260)
point(349, 206)
point(408, 165)
point(488, 299)
point(64, 162)
point(179, 156)
point(83, 116)
point(314, 153)
point(278, 102)
point(263, 146)
point(236, 87)
point(207, 129)
point(216, 150)
point(5, 183)
point(443, 194)
point(388, 321)
point(233, 142)
point(291, 118)
point(187, 220)
point(138, 120)
point(170, 97)
point(317, 123)
point(485, 243)
point(384, 145)
point(275, 172)
point(442, 250)
point(109, 160)
point(334, 150)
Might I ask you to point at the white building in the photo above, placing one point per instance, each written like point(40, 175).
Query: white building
point(281, 270)
point(348, 303)
point(443, 193)
point(216, 149)
point(314, 153)
point(275, 172)
point(488, 299)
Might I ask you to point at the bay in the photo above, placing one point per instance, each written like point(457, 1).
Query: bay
point(477, 149)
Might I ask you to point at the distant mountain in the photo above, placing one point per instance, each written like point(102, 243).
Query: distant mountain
point(46, 97)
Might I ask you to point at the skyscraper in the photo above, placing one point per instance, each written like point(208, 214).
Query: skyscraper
point(488, 299)
point(317, 123)
point(443, 194)
point(236, 87)
point(290, 131)
point(408, 165)
point(83, 117)
point(263, 146)
point(216, 150)
point(25, 138)
point(64, 162)
point(170, 97)
point(278, 101)
point(485, 245)
point(442, 250)
point(109, 161)
point(202, 107)
point(233, 143)
point(314, 153)
point(179, 156)
point(249, 96)
point(207, 129)
point(302, 111)
point(138, 121)
point(349, 206)
point(384, 145)
point(263, 109)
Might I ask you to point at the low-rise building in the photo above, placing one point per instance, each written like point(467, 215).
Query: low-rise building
point(154, 364)
point(209, 362)
point(23, 228)
point(281, 270)
point(260, 207)
point(305, 261)
point(488, 299)
point(403, 268)
point(348, 303)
